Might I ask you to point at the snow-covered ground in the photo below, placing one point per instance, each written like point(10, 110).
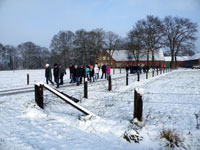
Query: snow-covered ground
point(170, 101)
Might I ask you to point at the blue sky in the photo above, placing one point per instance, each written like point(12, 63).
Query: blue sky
point(39, 20)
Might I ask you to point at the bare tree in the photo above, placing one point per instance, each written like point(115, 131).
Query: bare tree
point(12, 56)
point(95, 43)
point(180, 34)
point(112, 43)
point(88, 45)
point(81, 46)
point(61, 45)
point(151, 30)
point(2, 56)
point(135, 43)
point(32, 55)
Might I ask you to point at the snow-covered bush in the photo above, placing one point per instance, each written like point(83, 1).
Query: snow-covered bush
point(132, 136)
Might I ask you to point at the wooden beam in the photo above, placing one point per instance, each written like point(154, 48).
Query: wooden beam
point(67, 100)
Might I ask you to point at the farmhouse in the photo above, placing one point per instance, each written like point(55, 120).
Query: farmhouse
point(121, 58)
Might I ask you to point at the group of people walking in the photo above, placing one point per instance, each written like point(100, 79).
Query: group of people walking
point(137, 68)
point(58, 73)
point(141, 67)
point(92, 73)
point(77, 73)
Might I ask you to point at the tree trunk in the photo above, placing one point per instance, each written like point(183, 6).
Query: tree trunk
point(148, 58)
point(152, 59)
point(172, 59)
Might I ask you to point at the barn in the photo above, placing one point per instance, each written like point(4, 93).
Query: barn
point(121, 58)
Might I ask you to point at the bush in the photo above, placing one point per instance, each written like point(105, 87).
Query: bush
point(172, 137)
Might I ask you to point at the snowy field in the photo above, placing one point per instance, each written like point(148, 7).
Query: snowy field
point(170, 101)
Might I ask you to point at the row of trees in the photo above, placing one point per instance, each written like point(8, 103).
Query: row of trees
point(82, 47)
point(24, 56)
point(175, 35)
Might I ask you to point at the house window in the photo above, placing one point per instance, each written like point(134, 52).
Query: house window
point(99, 58)
point(104, 57)
point(118, 64)
point(108, 58)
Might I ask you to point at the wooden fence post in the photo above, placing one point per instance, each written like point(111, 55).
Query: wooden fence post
point(120, 70)
point(138, 106)
point(27, 79)
point(138, 75)
point(109, 83)
point(39, 96)
point(85, 88)
point(127, 78)
point(157, 71)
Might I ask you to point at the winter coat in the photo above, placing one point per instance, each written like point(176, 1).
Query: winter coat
point(48, 73)
point(96, 69)
point(62, 71)
point(82, 72)
point(71, 69)
point(127, 68)
point(87, 71)
point(92, 72)
point(77, 72)
point(104, 68)
point(108, 69)
point(56, 72)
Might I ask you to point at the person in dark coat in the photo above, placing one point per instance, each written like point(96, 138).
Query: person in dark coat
point(48, 74)
point(77, 74)
point(127, 68)
point(91, 73)
point(82, 73)
point(62, 73)
point(72, 77)
point(71, 70)
point(103, 68)
point(56, 73)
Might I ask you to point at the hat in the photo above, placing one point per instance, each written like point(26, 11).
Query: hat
point(47, 65)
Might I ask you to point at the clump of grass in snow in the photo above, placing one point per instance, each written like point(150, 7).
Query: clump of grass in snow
point(172, 137)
